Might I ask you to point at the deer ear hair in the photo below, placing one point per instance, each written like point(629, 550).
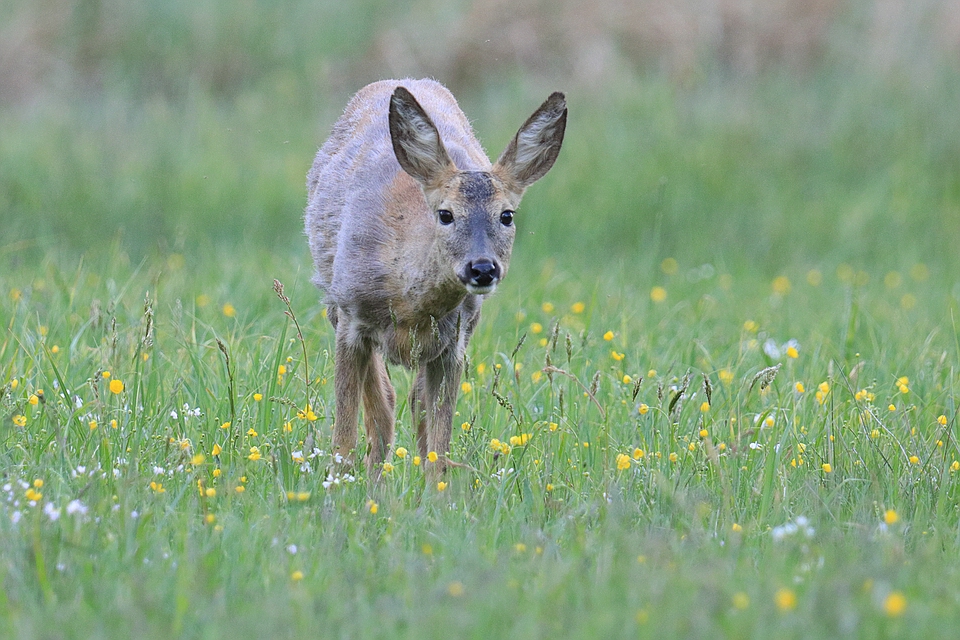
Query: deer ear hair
point(416, 141)
point(536, 146)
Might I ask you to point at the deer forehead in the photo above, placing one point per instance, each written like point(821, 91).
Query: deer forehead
point(476, 191)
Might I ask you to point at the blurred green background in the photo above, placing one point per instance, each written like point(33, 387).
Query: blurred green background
point(752, 135)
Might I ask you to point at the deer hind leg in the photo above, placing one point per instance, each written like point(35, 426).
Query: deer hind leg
point(379, 402)
point(351, 366)
point(418, 411)
point(442, 383)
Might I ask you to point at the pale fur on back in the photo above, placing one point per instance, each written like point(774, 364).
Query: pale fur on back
point(367, 221)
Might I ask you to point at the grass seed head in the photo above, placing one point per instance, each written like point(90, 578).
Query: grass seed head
point(765, 377)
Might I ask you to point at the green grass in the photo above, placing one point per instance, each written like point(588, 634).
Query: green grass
point(149, 200)
point(651, 549)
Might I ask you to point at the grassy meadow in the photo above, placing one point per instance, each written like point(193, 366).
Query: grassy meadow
point(715, 396)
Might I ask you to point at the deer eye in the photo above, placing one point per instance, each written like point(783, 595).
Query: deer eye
point(506, 218)
point(445, 217)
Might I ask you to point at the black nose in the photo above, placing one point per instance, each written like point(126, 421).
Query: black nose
point(484, 272)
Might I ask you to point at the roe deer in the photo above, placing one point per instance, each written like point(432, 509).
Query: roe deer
point(410, 226)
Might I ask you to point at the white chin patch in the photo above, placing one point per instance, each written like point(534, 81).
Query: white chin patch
point(480, 291)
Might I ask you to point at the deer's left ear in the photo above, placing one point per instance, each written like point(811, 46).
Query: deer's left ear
point(536, 146)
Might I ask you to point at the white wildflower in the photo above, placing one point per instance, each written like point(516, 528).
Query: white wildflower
point(75, 507)
point(52, 512)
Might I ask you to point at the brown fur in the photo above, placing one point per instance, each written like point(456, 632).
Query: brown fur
point(402, 284)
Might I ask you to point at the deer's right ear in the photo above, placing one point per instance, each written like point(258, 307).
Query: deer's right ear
point(416, 141)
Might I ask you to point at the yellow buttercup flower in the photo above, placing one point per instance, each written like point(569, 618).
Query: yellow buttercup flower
point(785, 599)
point(116, 386)
point(781, 285)
point(895, 604)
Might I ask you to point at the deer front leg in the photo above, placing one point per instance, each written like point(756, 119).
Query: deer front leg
point(442, 383)
point(379, 402)
point(351, 364)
